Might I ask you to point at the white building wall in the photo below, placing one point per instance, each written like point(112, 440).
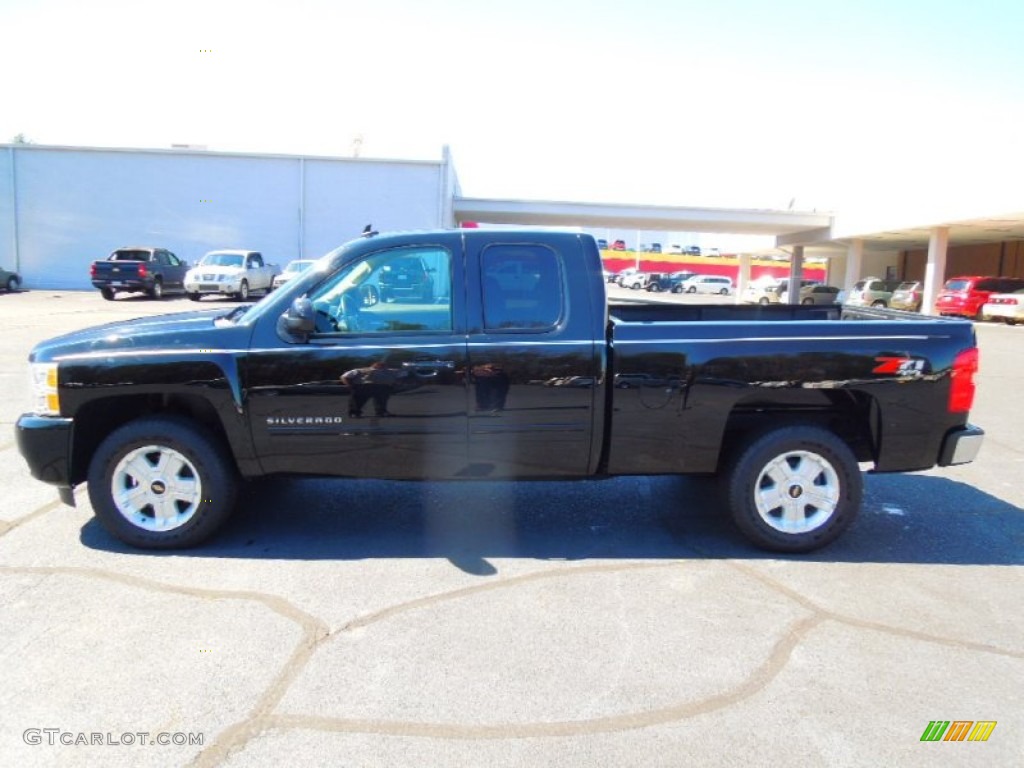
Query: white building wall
point(875, 263)
point(77, 205)
point(7, 222)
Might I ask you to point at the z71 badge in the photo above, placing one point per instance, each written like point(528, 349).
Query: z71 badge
point(899, 366)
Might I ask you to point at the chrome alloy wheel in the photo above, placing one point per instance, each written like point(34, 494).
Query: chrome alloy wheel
point(797, 492)
point(156, 488)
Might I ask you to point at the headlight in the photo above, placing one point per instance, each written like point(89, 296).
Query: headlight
point(45, 395)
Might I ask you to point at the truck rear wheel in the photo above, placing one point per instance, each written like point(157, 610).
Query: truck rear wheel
point(157, 291)
point(107, 293)
point(794, 489)
point(161, 482)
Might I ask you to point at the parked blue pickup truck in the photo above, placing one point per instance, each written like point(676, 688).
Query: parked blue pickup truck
point(154, 271)
point(164, 417)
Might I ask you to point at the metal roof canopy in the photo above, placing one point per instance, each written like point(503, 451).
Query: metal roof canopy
point(738, 221)
point(962, 231)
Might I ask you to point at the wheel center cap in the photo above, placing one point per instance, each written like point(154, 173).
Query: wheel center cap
point(158, 487)
point(795, 491)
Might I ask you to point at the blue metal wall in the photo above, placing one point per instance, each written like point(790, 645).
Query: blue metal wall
point(62, 208)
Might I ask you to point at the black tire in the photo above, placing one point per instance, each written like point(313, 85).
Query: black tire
point(763, 301)
point(194, 296)
point(878, 303)
point(692, 289)
point(724, 292)
point(243, 291)
point(677, 289)
point(12, 284)
point(157, 291)
point(802, 457)
point(107, 293)
point(807, 301)
point(204, 476)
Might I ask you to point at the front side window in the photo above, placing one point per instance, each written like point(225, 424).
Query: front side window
point(521, 288)
point(396, 290)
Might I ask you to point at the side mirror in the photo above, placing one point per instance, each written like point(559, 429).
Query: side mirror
point(300, 319)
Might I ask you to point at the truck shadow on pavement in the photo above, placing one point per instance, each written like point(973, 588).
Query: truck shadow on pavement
point(904, 519)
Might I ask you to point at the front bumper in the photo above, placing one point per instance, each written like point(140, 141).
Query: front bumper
point(45, 443)
point(226, 289)
point(961, 445)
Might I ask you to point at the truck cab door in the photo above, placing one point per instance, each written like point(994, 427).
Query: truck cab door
point(534, 366)
point(378, 390)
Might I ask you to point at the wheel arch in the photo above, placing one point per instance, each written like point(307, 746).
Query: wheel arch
point(97, 419)
point(850, 416)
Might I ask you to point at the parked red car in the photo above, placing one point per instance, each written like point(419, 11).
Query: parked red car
point(964, 296)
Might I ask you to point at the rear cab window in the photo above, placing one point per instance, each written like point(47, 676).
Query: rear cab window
point(521, 288)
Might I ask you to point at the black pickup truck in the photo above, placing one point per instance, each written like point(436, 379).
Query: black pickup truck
point(507, 368)
point(153, 271)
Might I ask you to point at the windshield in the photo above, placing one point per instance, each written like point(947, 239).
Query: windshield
point(222, 260)
point(129, 256)
point(957, 285)
point(297, 266)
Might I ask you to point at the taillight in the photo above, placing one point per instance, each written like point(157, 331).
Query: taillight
point(142, 270)
point(92, 270)
point(961, 389)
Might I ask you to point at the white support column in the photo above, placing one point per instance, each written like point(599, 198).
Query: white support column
point(854, 264)
point(935, 269)
point(796, 273)
point(743, 278)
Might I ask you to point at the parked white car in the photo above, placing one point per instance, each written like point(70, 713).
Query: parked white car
point(772, 290)
point(1008, 307)
point(235, 273)
point(708, 284)
point(292, 269)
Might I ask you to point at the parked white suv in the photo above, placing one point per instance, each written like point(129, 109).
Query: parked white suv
point(708, 284)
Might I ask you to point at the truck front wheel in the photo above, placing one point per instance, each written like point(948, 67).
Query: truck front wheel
point(161, 482)
point(794, 489)
point(243, 291)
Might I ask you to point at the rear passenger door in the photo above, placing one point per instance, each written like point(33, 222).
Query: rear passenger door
point(174, 271)
point(533, 369)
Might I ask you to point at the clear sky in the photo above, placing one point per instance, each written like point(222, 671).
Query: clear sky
point(743, 103)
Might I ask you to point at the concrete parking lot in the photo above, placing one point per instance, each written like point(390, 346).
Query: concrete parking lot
point(620, 622)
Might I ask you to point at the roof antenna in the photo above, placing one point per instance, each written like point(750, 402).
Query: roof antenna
point(369, 231)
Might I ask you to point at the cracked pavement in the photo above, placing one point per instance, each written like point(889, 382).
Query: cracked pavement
point(622, 622)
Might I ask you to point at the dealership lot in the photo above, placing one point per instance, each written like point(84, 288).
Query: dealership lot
point(607, 623)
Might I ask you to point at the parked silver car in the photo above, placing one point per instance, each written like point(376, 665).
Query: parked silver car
point(872, 292)
point(708, 284)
